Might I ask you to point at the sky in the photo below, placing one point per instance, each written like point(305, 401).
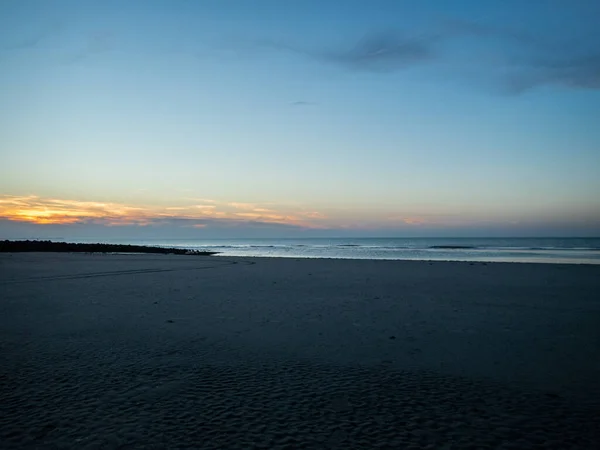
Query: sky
point(272, 118)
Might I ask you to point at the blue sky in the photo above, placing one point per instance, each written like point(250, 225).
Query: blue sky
point(356, 117)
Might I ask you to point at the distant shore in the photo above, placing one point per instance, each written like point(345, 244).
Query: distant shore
point(67, 247)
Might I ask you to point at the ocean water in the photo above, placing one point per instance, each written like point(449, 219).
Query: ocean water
point(544, 250)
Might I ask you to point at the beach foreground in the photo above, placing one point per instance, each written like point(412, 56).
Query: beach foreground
point(158, 351)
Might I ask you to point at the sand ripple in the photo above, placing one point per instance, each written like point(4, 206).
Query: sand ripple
point(279, 405)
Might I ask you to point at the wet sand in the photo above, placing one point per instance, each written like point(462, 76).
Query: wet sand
point(157, 351)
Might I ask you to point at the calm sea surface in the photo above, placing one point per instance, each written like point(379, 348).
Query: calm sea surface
point(546, 250)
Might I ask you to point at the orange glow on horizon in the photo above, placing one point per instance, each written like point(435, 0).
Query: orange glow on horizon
point(200, 213)
point(46, 211)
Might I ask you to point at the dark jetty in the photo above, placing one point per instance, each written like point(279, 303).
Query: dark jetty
point(66, 247)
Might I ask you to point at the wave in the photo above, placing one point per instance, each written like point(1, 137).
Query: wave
point(593, 249)
point(393, 248)
point(452, 247)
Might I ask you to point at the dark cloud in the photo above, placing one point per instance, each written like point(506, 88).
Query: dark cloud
point(532, 61)
point(464, 28)
point(385, 51)
point(25, 42)
point(382, 51)
point(560, 69)
point(32, 39)
point(303, 103)
point(94, 43)
point(214, 223)
point(183, 228)
point(91, 44)
point(521, 60)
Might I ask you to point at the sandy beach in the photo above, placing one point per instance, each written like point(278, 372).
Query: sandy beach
point(190, 352)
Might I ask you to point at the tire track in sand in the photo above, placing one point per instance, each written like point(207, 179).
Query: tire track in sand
point(121, 272)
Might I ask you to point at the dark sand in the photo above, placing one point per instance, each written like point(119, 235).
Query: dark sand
point(188, 352)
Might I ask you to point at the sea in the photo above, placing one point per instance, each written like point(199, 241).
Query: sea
point(527, 250)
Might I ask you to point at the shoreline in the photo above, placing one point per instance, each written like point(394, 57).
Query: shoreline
point(474, 262)
point(218, 255)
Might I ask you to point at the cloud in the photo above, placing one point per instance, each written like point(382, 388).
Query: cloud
point(36, 217)
point(245, 206)
point(46, 211)
point(580, 72)
point(303, 103)
point(523, 60)
point(531, 61)
point(460, 28)
point(32, 39)
point(381, 51)
point(94, 43)
point(520, 60)
point(158, 229)
point(413, 221)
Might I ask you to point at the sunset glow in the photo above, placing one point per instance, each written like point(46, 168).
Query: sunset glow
point(371, 119)
point(38, 210)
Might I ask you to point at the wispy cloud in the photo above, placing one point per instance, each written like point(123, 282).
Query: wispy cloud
point(303, 103)
point(531, 61)
point(566, 70)
point(94, 43)
point(451, 28)
point(38, 210)
point(45, 211)
point(383, 51)
point(33, 38)
point(523, 59)
point(380, 51)
point(90, 43)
